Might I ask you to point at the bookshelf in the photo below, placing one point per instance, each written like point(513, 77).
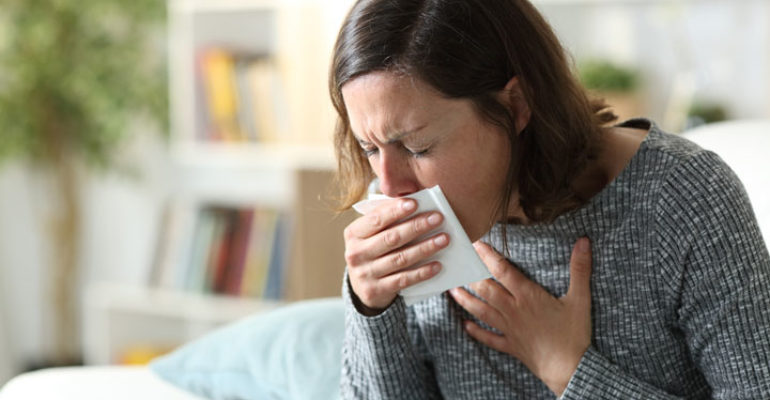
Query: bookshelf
point(250, 145)
point(120, 319)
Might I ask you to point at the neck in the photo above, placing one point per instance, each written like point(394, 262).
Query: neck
point(617, 148)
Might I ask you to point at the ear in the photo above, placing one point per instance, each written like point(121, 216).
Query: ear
point(513, 95)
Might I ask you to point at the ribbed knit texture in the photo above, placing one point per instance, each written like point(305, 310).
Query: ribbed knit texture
point(680, 297)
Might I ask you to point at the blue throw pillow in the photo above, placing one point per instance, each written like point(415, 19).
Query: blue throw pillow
point(289, 353)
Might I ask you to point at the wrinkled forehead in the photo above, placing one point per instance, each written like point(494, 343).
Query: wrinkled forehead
point(386, 87)
point(387, 105)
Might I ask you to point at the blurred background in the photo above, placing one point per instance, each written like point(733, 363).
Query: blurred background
point(164, 165)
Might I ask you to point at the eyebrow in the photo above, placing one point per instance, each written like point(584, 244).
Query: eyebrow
point(395, 137)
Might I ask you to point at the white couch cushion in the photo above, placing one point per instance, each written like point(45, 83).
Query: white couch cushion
point(92, 383)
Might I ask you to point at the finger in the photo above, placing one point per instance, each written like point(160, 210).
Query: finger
point(486, 337)
point(408, 256)
point(580, 272)
point(494, 294)
point(402, 234)
point(401, 280)
point(477, 308)
point(505, 272)
point(382, 217)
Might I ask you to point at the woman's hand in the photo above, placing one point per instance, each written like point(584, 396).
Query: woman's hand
point(379, 262)
point(547, 334)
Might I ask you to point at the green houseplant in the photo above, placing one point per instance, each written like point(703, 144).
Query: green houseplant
point(74, 74)
point(616, 84)
point(705, 112)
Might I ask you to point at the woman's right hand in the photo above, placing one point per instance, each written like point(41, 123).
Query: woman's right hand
point(379, 264)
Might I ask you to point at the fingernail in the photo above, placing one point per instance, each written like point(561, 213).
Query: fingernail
point(583, 245)
point(440, 240)
point(408, 205)
point(436, 267)
point(477, 245)
point(434, 219)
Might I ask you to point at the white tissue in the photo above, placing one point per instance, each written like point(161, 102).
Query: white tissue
point(460, 264)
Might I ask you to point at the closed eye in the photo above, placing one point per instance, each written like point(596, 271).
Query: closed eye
point(368, 149)
point(417, 153)
point(368, 152)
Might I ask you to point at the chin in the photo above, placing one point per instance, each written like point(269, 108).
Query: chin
point(472, 232)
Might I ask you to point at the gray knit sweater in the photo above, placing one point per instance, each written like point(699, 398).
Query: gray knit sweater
point(680, 297)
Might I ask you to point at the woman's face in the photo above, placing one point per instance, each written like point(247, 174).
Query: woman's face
point(415, 138)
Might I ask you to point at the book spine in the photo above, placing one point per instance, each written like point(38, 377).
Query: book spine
point(237, 263)
point(194, 279)
point(274, 288)
point(219, 84)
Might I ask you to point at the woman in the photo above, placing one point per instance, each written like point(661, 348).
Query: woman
point(627, 261)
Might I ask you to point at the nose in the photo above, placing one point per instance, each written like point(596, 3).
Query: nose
point(396, 176)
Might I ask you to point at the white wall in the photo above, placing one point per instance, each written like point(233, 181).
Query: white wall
point(21, 257)
point(723, 44)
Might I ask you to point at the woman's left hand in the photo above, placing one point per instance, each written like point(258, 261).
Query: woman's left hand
point(549, 335)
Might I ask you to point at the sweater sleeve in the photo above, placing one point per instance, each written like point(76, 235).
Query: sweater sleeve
point(724, 306)
point(382, 356)
point(598, 378)
point(717, 271)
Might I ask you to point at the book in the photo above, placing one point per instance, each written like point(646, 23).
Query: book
point(221, 249)
point(259, 253)
point(274, 286)
point(246, 100)
point(242, 232)
point(239, 251)
point(243, 96)
point(219, 83)
point(203, 237)
point(269, 103)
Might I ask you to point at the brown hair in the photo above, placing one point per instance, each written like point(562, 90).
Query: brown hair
point(470, 49)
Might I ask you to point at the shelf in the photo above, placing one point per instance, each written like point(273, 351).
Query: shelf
point(152, 302)
point(253, 155)
point(118, 318)
point(246, 174)
point(286, 170)
point(247, 27)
